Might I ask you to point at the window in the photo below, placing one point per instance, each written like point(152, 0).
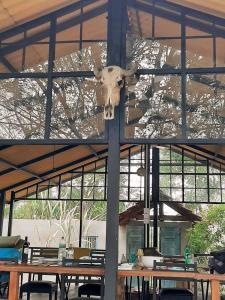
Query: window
point(90, 241)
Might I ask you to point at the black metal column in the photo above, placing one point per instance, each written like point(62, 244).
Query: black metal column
point(81, 209)
point(11, 213)
point(155, 193)
point(2, 209)
point(115, 57)
point(147, 194)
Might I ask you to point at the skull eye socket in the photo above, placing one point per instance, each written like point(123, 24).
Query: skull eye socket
point(120, 82)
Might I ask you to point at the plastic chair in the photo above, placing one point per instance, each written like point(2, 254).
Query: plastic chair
point(90, 285)
point(175, 293)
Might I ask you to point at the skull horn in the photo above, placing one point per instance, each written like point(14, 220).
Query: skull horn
point(98, 72)
point(130, 71)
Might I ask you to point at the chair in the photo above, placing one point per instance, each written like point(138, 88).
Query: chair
point(40, 286)
point(175, 293)
point(37, 252)
point(206, 258)
point(45, 287)
point(97, 253)
point(90, 285)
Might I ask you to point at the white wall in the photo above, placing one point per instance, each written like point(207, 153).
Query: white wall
point(48, 233)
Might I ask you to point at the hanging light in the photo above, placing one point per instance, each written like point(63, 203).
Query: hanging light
point(141, 170)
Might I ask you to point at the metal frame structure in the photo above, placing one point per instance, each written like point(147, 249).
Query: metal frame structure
point(182, 169)
point(214, 27)
point(114, 133)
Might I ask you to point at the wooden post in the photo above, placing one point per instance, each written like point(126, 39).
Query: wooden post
point(14, 286)
point(215, 286)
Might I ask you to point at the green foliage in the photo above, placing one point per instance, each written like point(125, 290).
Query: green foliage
point(209, 234)
point(44, 209)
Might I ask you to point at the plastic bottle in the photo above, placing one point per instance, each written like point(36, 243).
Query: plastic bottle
point(70, 252)
point(187, 255)
point(25, 251)
point(62, 250)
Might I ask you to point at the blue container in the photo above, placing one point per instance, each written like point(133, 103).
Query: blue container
point(8, 253)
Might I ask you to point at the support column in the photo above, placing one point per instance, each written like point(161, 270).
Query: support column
point(81, 209)
point(115, 37)
point(2, 209)
point(11, 213)
point(155, 193)
point(147, 194)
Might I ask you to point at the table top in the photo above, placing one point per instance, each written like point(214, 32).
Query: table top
point(50, 269)
point(57, 269)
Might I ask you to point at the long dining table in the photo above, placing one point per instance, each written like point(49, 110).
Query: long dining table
point(17, 269)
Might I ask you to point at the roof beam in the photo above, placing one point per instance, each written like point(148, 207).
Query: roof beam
point(3, 147)
point(169, 15)
point(60, 27)
point(7, 64)
point(38, 159)
point(209, 154)
point(70, 164)
point(15, 167)
point(46, 18)
point(84, 165)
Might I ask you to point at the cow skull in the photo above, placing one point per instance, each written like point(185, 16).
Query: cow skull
point(112, 80)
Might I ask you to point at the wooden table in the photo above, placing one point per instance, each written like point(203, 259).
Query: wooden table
point(16, 270)
point(215, 279)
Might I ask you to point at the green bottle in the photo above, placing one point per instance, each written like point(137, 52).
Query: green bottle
point(187, 255)
point(132, 259)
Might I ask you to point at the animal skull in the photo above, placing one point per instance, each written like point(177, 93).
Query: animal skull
point(112, 80)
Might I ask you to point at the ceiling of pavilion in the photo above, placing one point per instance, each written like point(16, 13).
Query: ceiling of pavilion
point(214, 7)
point(23, 166)
point(15, 12)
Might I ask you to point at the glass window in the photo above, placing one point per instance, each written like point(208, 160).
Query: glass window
point(22, 108)
point(75, 112)
point(153, 110)
point(199, 52)
point(205, 106)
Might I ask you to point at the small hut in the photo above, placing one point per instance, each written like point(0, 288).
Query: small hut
point(174, 221)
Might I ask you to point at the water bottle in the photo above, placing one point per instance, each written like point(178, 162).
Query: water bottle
point(187, 253)
point(25, 251)
point(62, 250)
point(70, 252)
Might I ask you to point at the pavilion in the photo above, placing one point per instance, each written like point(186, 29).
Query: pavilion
point(52, 126)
